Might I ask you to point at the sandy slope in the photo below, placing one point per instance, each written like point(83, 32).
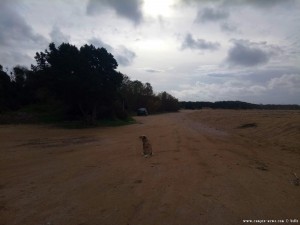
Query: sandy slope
point(204, 170)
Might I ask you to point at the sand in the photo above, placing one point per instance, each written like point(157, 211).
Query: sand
point(208, 167)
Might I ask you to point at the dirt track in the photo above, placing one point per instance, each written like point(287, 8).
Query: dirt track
point(204, 170)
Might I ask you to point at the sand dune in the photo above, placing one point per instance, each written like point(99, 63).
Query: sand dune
point(207, 168)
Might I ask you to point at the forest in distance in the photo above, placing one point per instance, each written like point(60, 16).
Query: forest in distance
point(70, 83)
point(235, 105)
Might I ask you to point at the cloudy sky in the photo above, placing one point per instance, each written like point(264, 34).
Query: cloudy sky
point(198, 50)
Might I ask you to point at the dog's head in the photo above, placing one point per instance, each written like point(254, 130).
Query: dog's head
point(143, 137)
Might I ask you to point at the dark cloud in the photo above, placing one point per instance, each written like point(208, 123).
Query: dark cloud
point(129, 9)
point(57, 36)
point(153, 71)
point(10, 58)
point(123, 55)
point(211, 15)
point(246, 53)
point(17, 37)
point(190, 2)
point(265, 3)
point(190, 42)
point(97, 42)
point(15, 30)
point(234, 2)
point(219, 14)
point(228, 27)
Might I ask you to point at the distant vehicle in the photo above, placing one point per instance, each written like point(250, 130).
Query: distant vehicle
point(142, 112)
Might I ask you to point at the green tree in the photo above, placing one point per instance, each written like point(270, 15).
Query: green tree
point(136, 94)
point(85, 80)
point(168, 102)
point(19, 82)
point(6, 90)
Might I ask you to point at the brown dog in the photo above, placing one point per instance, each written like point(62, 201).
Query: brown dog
point(147, 148)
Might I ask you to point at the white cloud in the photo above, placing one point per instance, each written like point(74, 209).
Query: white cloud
point(234, 88)
point(289, 82)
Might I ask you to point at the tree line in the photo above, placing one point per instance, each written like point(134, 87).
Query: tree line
point(234, 105)
point(79, 84)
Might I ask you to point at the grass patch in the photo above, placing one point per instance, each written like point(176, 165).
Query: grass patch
point(55, 119)
point(78, 124)
point(116, 123)
point(32, 114)
point(53, 115)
